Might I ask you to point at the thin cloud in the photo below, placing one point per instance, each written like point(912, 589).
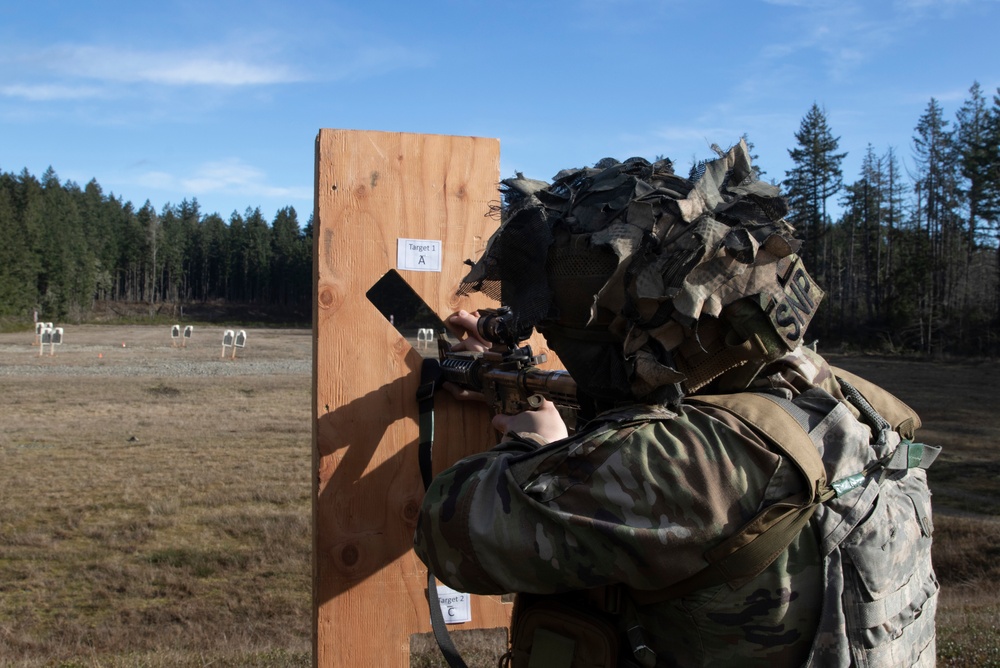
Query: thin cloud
point(50, 92)
point(231, 177)
point(74, 71)
point(225, 176)
point(939, 4)
point(685, 144)
point(157, 180)
point(850, 33)
point(619, 16)
point(177, 68)
point(846, 32)
point(845, 36)
point(370, 61)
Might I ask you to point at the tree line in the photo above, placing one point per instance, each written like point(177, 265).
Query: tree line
point(911, 262)
point(64, 248)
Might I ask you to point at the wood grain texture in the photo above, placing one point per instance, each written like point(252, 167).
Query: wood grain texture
point(373, 188)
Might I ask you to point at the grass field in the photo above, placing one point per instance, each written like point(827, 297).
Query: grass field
point(156, 505)
point(155, 520)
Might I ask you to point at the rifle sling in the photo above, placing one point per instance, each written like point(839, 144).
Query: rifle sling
point(430, 376)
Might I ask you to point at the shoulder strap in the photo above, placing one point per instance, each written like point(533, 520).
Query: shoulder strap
point(787, 429)
point(893, 410)
point(750, 550)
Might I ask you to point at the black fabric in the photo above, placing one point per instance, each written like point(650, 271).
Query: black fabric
point(598, 368)
point(430, 375)
point(513, 272)
point(441, 634)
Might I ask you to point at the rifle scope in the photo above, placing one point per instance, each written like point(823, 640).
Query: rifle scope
point(500, 326)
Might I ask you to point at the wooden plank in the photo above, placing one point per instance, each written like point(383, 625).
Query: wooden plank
point(373, 188)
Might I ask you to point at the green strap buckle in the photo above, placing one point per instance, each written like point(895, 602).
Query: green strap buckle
point(919, 455)
point(910, 455)
point(914, 454)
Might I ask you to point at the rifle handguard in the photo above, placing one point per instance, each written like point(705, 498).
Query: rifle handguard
point(510, 381)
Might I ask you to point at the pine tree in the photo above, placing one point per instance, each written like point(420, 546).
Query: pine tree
point(861, 224)
point(18, 270)
point(66, 263)
point(815, 178)
point(894, 214)
point(151, 262)
point(215, 240)
point(258, 248)
point(239, 260)
point(285, 237)
point(192, 261)
point(992, 191)
point(937, 215)
point(130, 268)
point(977, 157)
point(98, 215)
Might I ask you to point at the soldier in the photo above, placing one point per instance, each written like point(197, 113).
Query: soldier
point(684, 523)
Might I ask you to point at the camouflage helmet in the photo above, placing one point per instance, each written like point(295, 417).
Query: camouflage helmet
point(651, 286)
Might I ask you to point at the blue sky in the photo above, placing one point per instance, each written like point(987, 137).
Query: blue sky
point(221, 101)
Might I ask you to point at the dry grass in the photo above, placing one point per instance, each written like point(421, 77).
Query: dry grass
point(165, 521)
point(967, 559)
point(155, 521)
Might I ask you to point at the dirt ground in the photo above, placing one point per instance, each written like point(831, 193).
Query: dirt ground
point(959, 404)
point(96, 345)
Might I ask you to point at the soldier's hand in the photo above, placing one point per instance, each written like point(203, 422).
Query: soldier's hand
point(544, 421)
point(464, 325)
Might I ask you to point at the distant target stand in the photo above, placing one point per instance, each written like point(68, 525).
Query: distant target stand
point(47, 335)
point(176, 335)
point(39, 328)
point(424, 337)
point(234, 340)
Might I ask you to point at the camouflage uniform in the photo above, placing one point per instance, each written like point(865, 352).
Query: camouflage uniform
point(652, 289)
point(641, 495)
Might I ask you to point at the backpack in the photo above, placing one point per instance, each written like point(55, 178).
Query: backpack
point(873, 522)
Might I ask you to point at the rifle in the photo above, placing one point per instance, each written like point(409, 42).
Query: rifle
point(507, 375)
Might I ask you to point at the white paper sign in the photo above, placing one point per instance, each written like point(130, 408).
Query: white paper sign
point(418, 255)
point(455, 606)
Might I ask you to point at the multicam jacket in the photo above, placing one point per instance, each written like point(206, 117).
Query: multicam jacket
point(639, 497)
